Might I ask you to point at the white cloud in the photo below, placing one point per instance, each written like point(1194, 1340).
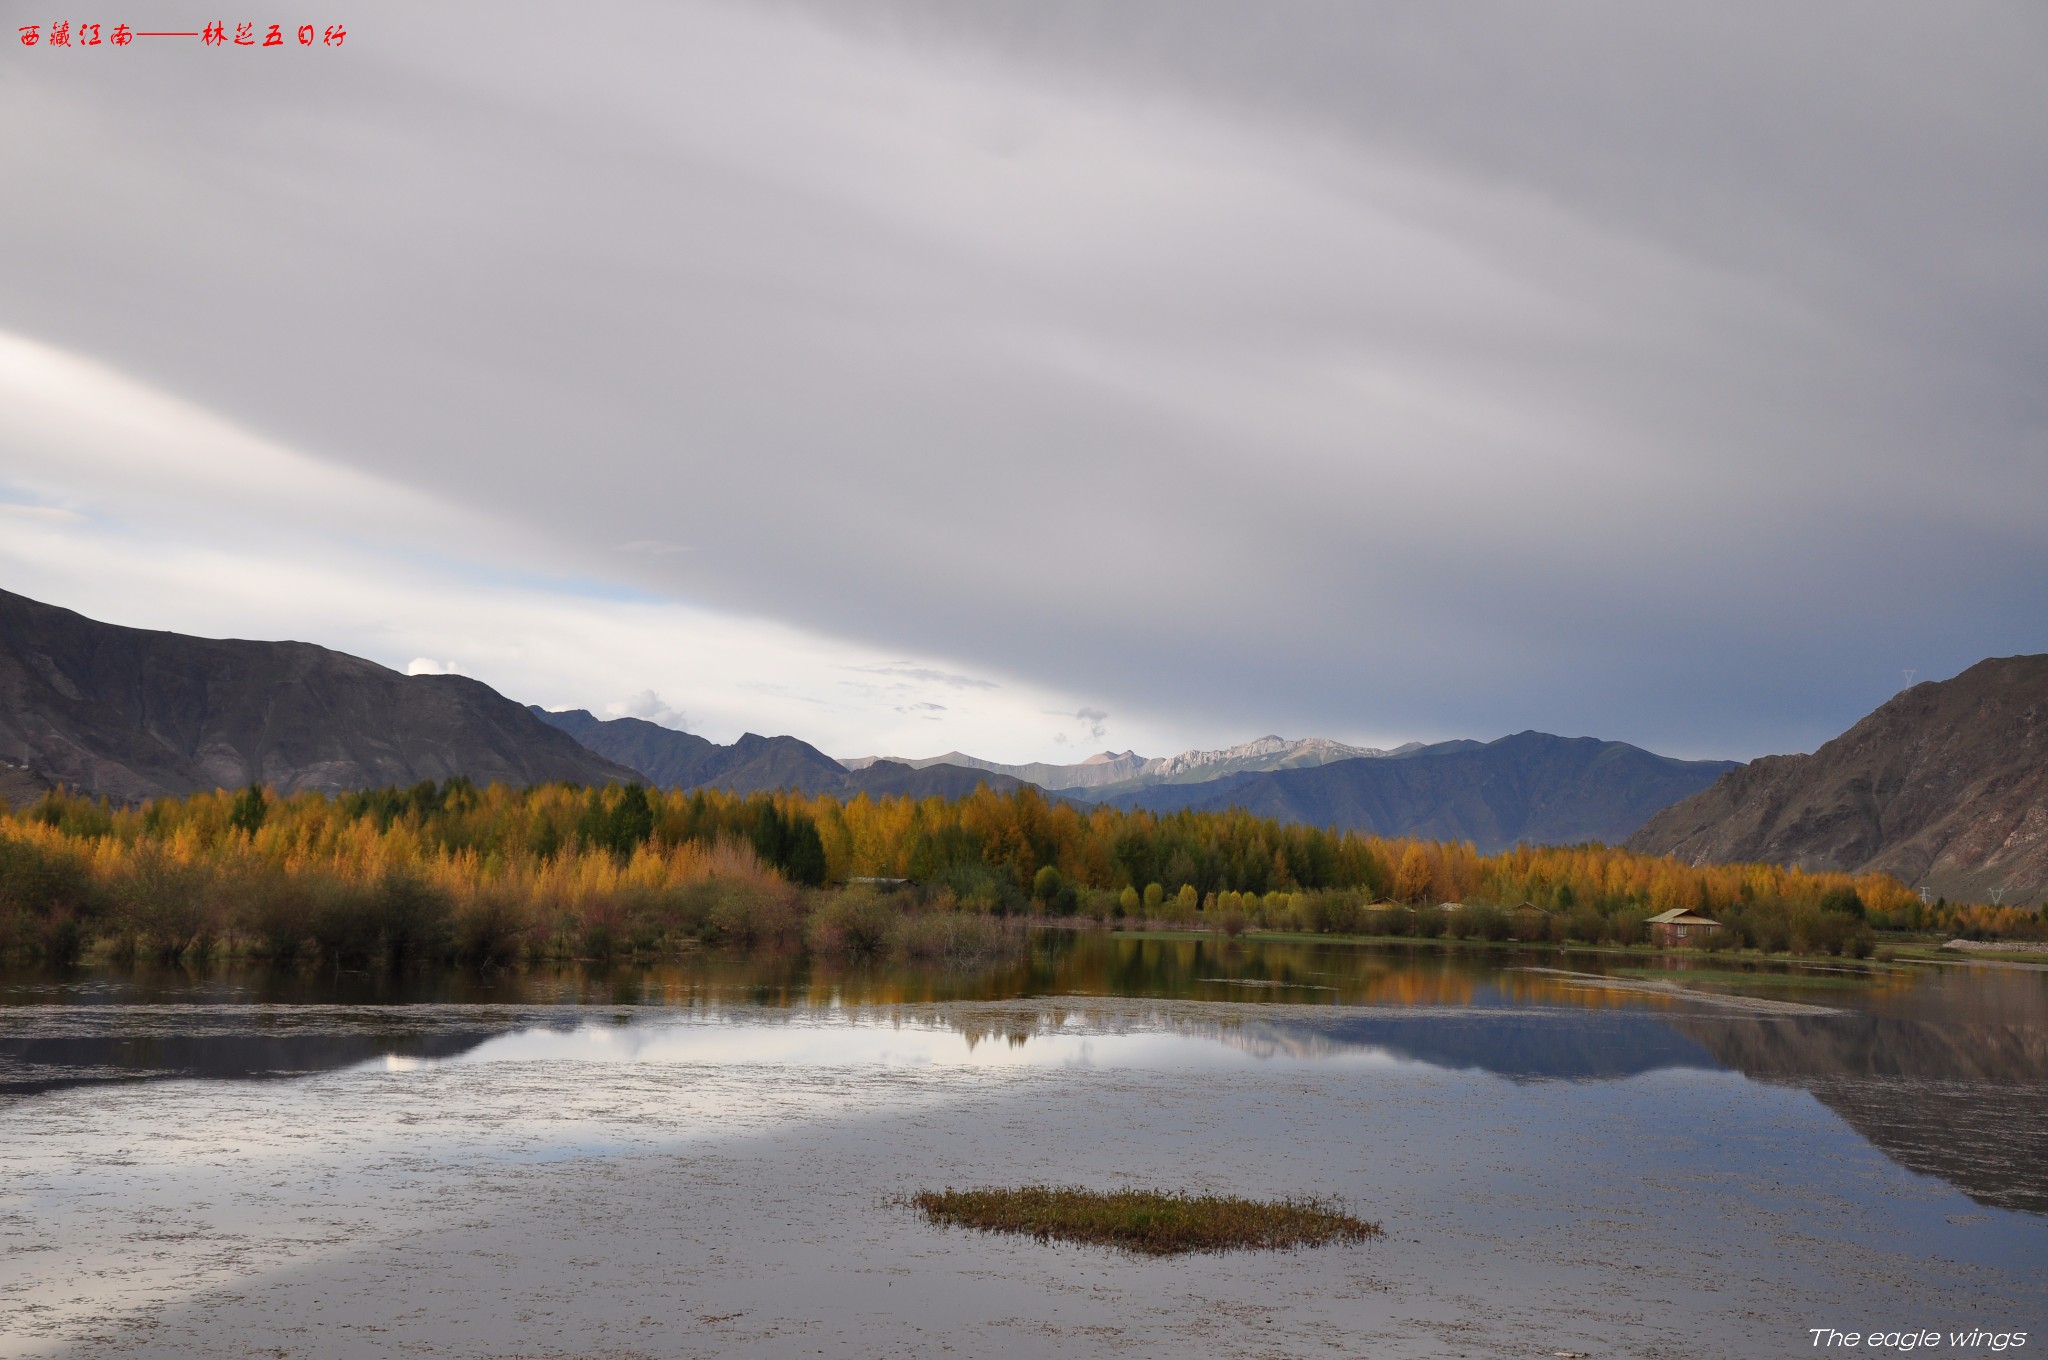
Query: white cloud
point(147, 548)
point(650, 706)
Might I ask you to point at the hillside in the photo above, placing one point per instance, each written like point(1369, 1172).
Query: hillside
point(680, 760)
point(131, 714)
point(1945, 785)
point(1529, 787)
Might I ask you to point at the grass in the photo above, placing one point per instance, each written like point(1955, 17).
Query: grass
point(1145, 1222)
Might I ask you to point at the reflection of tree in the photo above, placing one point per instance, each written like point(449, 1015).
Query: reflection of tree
point(1966, 1103)
point(30, 1066)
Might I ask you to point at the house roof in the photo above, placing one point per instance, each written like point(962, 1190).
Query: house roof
point(1679, 916)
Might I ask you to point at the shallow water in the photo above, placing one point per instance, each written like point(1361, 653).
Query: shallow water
point(1570, 1153)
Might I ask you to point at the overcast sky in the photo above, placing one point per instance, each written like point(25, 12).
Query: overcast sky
point(1036, 377)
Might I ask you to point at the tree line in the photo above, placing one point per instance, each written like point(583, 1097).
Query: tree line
point(625, 862)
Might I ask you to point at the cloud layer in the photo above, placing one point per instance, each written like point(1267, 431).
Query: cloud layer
point(1378, 372)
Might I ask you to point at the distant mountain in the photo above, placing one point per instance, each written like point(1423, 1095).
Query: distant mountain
point(1110, 771)
point(1529, 787)
point(133, 714)
point(1105, 768)
point(679, 760)
point(1944, 785)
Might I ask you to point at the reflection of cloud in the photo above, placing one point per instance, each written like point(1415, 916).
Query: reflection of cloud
point(426, 665)
point(648, 705)
point(651, 547)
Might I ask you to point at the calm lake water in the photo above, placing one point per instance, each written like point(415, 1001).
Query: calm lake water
point(1570, 1153)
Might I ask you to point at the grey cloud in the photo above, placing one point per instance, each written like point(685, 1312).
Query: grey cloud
point(1658, 372)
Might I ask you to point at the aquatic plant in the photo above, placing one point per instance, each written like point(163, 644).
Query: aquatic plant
point(1145, 1222)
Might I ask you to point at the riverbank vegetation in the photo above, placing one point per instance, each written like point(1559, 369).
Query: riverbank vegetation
point(1145, 1222)
point(450, 871)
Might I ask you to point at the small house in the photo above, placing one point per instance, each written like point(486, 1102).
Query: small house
point(1680, 927)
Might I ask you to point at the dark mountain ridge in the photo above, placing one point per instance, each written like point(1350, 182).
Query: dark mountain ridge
point(1945, 784)
point(1531, 787)
point(671, 759)
point(131, 713)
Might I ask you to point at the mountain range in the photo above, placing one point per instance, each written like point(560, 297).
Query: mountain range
point(671, 759)
point(1109, 770)
point(1945, 785)
point(1528, 787)
point(129, 713)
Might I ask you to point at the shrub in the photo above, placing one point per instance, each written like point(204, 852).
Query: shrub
point(858, 922)
point(749, 912)
point(953, 937)
point(414, 917)
point(1389, 919)
point(1586, 923)
point(491, 928)
point(1045, 885)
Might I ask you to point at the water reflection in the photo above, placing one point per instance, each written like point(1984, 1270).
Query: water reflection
point(1945, 1070)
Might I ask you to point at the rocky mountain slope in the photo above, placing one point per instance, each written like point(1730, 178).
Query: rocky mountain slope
point(130, 714)
point(1945, 785)
point(680, 760)
point(1529, 787)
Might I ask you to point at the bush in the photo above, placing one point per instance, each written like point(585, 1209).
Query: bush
point(749, 912)
point(414, 916)
point(47, 900)
point(273, 910)
point(953, 937)
point(857, 922)
point(1045, 885)
point(491, 928)
point(1389, 919)
point(1585, 923)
